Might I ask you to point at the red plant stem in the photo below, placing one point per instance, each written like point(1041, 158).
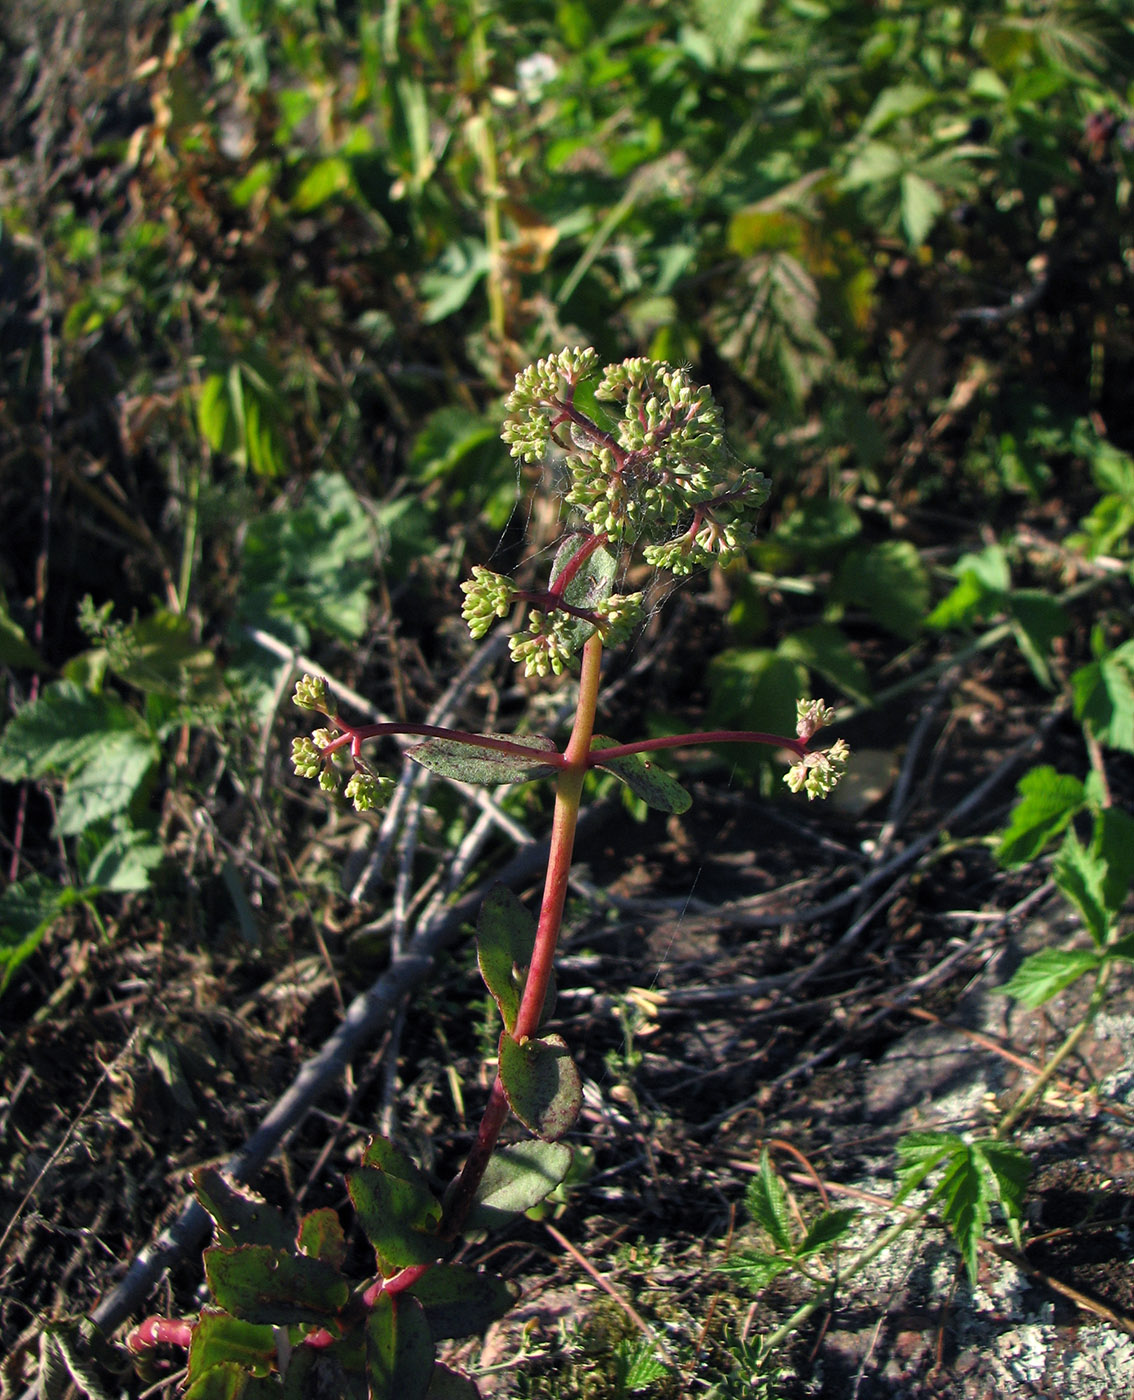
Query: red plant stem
point(159, 1331)
point(568, 793)
point(353, 735)
point(686, 741)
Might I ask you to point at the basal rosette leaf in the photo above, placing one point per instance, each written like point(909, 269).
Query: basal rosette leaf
point(399, 1349)
point(542, 1084)
point(275, 1286)
point(484, 763)
point(462, 1302)
point(220, 1337)
point(644, 778)
point(241, 1216)
point(398, 1212)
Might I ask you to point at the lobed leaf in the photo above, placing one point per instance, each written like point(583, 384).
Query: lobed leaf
point(767, 1204)
point(1081, 876)
point(1048, 800)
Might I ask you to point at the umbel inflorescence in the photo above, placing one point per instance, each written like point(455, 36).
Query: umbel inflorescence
point(659, 479)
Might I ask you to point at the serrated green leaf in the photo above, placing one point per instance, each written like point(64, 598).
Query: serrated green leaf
point(1037, 620)
point(275, 1286)
point(516, 1179)
point(1048, 800)
point(969, 600)
point(1081, 876)
point(827, 1230)
point(1104, 697)
point(888, 580)
point(1113, 842)
point(106, 781)
point(962, 1197)
point(218, 1337)
point(754, 1269)
point(226, 1381)
point(637, 1364)
point(504, 943)
point(28, 908)
point(918, 1155)
point(825, 648)
point(767, 1204)
point(644, 778)
point(399, 1349)
point(542, 1084)
point(1044, 975)
point(161, 655)
point(60, 731)
point(462, 1302)
point(321, 1236)
point(120, 862)
point(473, 763)
point(241, 1216)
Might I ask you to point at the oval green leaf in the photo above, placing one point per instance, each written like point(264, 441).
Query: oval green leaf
point(542, 1084)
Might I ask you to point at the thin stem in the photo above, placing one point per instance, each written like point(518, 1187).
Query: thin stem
point(568, 792)
point(353, 735)
point(685, 741)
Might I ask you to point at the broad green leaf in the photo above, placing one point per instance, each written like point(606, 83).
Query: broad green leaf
point(889, 581)
point(160, 655)
point(106, 782)
point(274, 1286)
point(504, 942)
point(220, 1337)
point(1104, 697)
point(399, 1349)
point(542, 1084)
point(396, 1209)
point(321, 1236)
point(65, 727)
point(1047, 802)
point(1044, 975)
point(242, 1217)
point(901, 100)
point(767, 1204)
point(226, 1381)
point(876, 163)
point(1081, 875)
point(120, 862)
point(644, 779)
point(824, 648)
point(462, 1302)
point(969, 600)
point(754, 683)
point(453, 278)
point(478, 763)
point(516, 1179)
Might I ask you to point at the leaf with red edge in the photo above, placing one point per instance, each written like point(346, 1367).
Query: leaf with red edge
point(242, 1217)
point(321, 1236)
point(590, 585)
point(399, 1349)
point(276, 1286)
point(542, 1084)
point(396, 1208)
point(218, 1336)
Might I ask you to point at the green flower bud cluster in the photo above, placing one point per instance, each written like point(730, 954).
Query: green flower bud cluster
point(487, 596)
point(536, 403)
point(818, 773)
point(811, 716)
point(619, 615)
point(546, 645)
point(310, 758)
